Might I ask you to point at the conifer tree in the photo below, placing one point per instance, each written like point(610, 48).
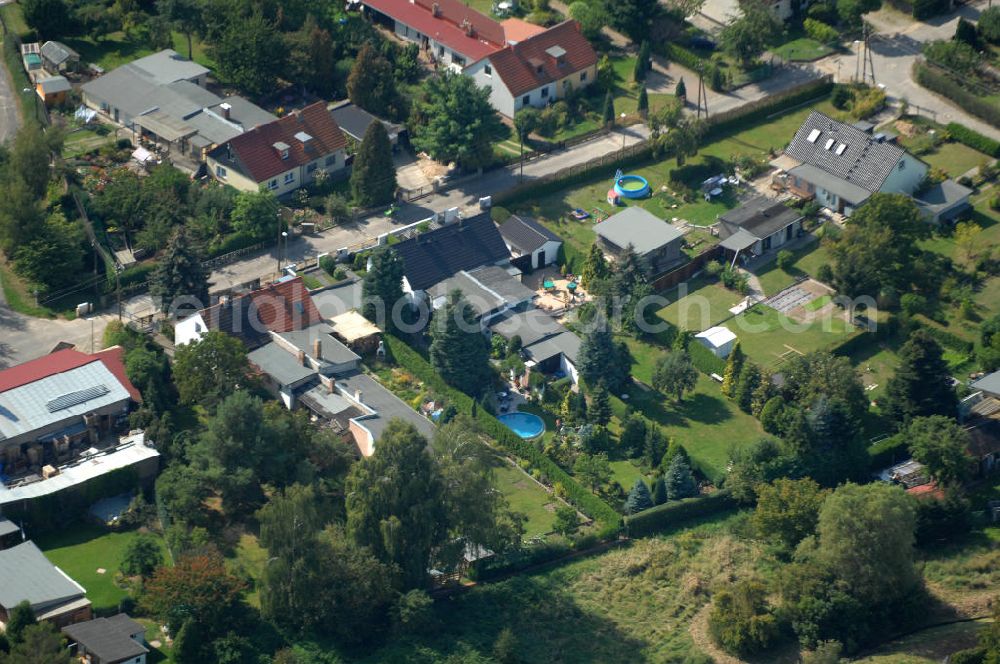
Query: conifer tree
point(921, 385)
point(609, 109)
point(180, 274)
point(600, 405)
point(734, 365)
point(373, 175)
point(642, 105)
point(459, 351)
point(748, 381)
point(681, 90)
point(382, 288)
point(680, 480)
point(595, 267)
point(659, 491)
point(638, 498)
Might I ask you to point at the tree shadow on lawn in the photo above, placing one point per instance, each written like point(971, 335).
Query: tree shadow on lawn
point(698, 407)
point(550, 625)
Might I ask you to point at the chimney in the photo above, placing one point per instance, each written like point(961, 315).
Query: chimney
point(225, 107)
point(301, 356)
point(357, 396)
point(436, 10)
point(317, 350)
point(330, 387)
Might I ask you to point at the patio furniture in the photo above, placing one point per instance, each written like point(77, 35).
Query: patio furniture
point(571, 286)
point(549, 285)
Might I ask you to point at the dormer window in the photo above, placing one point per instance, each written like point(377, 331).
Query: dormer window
point(557, 53)
point(282, 149)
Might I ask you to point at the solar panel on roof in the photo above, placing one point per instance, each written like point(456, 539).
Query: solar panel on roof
point(71, 399)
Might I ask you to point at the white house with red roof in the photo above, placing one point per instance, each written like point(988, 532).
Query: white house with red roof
point(283, 155)
point(538, 70)
point(455, 34)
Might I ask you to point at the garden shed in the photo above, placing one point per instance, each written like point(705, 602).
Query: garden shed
point(719, 340)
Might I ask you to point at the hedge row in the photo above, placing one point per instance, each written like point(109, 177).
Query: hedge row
point(945, 338)
point(704, 360)
point(684, 57)
point(974, 139)
point(672, 513)
point(944, 84)
point(586, 501)
point(888, 452)
point(760, 112)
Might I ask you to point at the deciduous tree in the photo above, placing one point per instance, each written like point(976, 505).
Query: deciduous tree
point(197, 588)
point(251, 54)
point(942, 446)
point(788, 510)
point(747, 36)
point(372, 84)
point(142, 556)
point(741, 620)
point(207, 370)
point(674, 374)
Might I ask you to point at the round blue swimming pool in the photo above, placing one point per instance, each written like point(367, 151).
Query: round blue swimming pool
point(525, 425)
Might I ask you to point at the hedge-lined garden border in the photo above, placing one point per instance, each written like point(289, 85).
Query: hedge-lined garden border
point(937, 80)
point(674, 512)
point(587, 502)
point(974, 139)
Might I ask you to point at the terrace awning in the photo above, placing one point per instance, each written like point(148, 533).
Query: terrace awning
point(738, 241)
point(168, 128)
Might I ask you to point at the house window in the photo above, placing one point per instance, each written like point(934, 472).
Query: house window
point(273, 184)
point(545, 93)
point(311, 167)
point(488, 70)
point(583, 76)
point(525, 100)
point(902, 164)
point(220, 172)
point(457, 59)
point(289, 177)
point(331, 160)
point(440, 51)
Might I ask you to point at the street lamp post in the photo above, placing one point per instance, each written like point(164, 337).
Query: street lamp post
point(284, 235)
point(279, 224)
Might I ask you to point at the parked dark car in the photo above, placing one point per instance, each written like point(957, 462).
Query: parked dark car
point(703, 43)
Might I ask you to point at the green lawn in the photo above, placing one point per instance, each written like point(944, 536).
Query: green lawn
point(803, 49)
point(553, 208)
point(706, 423)
point(249, 559)
point(806, 261)
point(928, 646)
point(13, 18)
point(955, 159)
point(116, 49)
point(699, 305)
point(528, 498)
point(83, 141)
point(769, 337)
point(81, 550)
point(625, 472)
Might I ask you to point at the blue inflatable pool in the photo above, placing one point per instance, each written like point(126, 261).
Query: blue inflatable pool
point(632, 186)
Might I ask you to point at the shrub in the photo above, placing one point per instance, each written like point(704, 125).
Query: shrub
point(945, 84)
point(784, 259)
point(820, 31)
point(741, 621)
point(974, 139)
point(328, 264)
point(842, 97)
point(887, 452)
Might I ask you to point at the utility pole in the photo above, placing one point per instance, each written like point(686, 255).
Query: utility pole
point(702, 94)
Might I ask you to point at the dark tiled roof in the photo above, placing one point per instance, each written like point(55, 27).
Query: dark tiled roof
point(254, 154)
point(760, 217)
point(354, 121)
point(864, 161)
point(525, 234)
point(438, 254)
point(109, 639)
point(529, 64)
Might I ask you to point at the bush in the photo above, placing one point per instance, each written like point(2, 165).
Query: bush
point(887, 452)
point(705, 361)
point(925, 9)
point(974, 139)
point(741, 621)
point(675, 512)
point(784, 259)
point(842, 97)
point(820, 31)
point(328, 264)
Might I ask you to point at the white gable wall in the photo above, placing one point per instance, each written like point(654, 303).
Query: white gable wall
point(905, 177)
point(500, 97)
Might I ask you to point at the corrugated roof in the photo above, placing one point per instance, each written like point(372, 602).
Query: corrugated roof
point(525, 234)
point(864, 162)
point(500, 281)
point(760, 217)
point(253, 152)
point(431, 257)
point(26, 574)
point(566, 344)
point(130, 451)
point(108, 639)
point(7, 527)
point(537, 60)
point(27, 408)
point(642, 229)
point(990, 383)
point(479, 298)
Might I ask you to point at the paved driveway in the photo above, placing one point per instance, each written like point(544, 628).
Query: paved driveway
point(895, 46)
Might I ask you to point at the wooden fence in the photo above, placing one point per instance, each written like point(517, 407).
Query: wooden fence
point(686, 271)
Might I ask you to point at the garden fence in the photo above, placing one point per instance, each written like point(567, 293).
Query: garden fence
point(686, 271)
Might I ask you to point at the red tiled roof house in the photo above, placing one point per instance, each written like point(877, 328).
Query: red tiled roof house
point(538, 70)
point(456, 35)
point(283, 155)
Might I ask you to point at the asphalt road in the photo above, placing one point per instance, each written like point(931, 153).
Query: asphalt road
point(895, 46)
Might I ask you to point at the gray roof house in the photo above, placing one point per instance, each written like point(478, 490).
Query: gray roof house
point(490, 290)
point(545, 343)
point(842, 165)
point(162, 98)
point(58, 57)
point(653, 239)
point(430, 258)
point(312, 368)
point(354, 121)
point(26, 574)
point(531, 244)
point(758, 226)
point(114, 640)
